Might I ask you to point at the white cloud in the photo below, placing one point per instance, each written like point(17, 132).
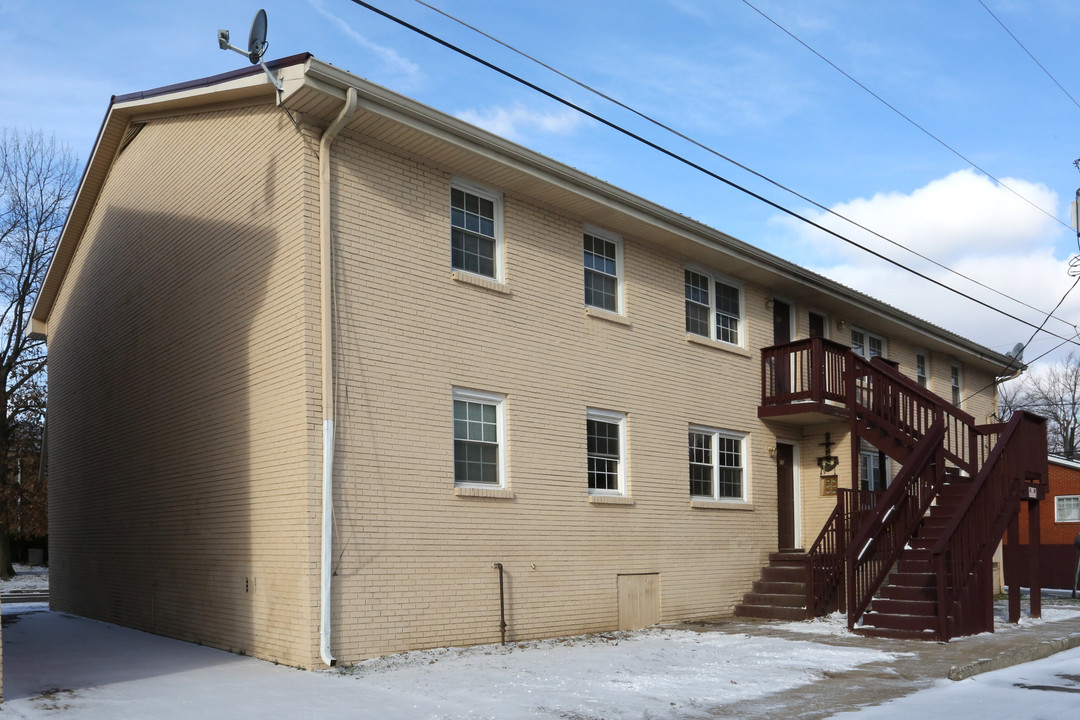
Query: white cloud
point(516, 121)
point(968, 223)
point(394, 62)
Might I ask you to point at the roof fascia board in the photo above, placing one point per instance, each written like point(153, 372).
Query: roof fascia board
point(374, 98)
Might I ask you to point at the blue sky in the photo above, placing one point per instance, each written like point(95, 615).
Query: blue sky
point(717, 71)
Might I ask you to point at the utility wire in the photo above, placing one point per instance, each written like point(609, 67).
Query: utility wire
point(1033, 58)
point(731, 160)
point(689, 163)
point(884, 102)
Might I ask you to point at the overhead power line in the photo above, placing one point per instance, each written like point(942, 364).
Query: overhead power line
point(1033, 58)
point(731, 160)
point(689, 163)
point(896, 110)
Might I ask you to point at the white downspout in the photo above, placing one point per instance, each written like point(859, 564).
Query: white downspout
point(326, 308)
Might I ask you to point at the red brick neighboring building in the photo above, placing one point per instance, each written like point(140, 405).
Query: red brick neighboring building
point(1059, 524)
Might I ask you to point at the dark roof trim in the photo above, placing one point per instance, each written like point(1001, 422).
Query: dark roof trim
point(213, 79)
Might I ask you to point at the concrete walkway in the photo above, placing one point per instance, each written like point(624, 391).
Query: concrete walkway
point(918, 665)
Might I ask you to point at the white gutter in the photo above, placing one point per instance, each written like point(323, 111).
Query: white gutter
point(325, 307)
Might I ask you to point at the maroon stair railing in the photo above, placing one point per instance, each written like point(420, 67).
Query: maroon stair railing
point(825, 558)
point(810, 370)
point(876, 545)
point(962, 552)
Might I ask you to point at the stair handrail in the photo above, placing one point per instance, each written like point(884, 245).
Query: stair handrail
point(981, 518)
point(876, 545)
point(920, 406)
point(825, 558)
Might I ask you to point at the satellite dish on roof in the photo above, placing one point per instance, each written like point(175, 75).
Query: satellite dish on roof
point(1017, 353)
point(257, 45)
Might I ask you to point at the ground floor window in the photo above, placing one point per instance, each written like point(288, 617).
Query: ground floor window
point(872, 470)
point(717, 464)
point(1067, 508)
point(478, 438)
point(606, 439)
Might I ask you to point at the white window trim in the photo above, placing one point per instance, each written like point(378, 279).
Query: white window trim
point(743, 439)
point(496, 198)
point(926, 358)
point(959, 367)
point(866, 339)
point(610, 416)
point(726, 280)
point(499, 401)
point(620, 303)
point(1057, 509)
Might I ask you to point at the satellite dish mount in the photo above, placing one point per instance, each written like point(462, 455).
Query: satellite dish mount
point(256, 47)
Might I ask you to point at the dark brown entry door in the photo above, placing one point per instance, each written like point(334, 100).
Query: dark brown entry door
point(785, 496)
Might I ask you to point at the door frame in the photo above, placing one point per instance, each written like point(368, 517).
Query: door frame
point(796, 490)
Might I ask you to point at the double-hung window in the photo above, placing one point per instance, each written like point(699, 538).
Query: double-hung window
point(956, 381)
point(714, 307)
point(606, 440)
point(717, 464)
point(867, 344)
point(1067, 508)
point(475, 231)
point(479, 445)
point(603, 270)
point(922, 369)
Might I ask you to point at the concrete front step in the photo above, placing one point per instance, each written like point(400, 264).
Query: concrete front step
point(766, 587)
point(798, 601)
point(784, 573)
point(770, 612)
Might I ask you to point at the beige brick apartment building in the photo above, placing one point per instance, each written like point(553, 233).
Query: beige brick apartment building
point(588, 430)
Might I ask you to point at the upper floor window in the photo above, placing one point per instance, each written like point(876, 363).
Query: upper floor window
point(475, 231)
point(717, 470)
point(606, 439)
point(713, 308)
point(922, 369)
point(603, 270)
point(867, 344)
point(479, 450)
point(956, 380)
point(1067, 508)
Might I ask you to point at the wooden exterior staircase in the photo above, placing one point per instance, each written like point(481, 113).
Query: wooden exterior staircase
point(914, 560)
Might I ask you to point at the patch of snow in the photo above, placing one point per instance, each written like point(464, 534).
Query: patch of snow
point(27, 577)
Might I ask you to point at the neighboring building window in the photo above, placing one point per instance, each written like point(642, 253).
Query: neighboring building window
point(475, 229)
point(606, 433)
point(871, 470)
point(922, 369)
point(717, 469)
point(478, 438)
point(957, 381)
point(867, 344)
point(1067, 508)
point(713, 308)
point(603, 266)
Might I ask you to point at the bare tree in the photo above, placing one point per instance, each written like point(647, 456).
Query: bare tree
point(1054, 393)
point(37, 182)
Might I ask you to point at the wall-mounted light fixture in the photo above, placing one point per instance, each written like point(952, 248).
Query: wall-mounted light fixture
point(841, 324)
point(769, 303)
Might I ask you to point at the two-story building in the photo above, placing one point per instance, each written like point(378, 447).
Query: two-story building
point(334, 374)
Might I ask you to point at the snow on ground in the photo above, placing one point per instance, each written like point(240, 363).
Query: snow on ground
point(86, 669)
point(1033, 691)
point(27, 577)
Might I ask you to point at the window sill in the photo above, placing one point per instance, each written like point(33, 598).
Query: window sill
point(611, 500)
point(610, 317)
point(480, 281)
point(715, 345)
point(721, 505)
point(492, 492)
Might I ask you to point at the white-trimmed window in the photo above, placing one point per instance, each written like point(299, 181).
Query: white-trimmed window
point(606, 433)
point(476, 230)
point(717, 464)
point(873, 470)
point(867, 344)
point(603, 270)
point(1067, 508)
point(956, 382)
point(714, 307)
point(922, 369)
point(479, 431)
